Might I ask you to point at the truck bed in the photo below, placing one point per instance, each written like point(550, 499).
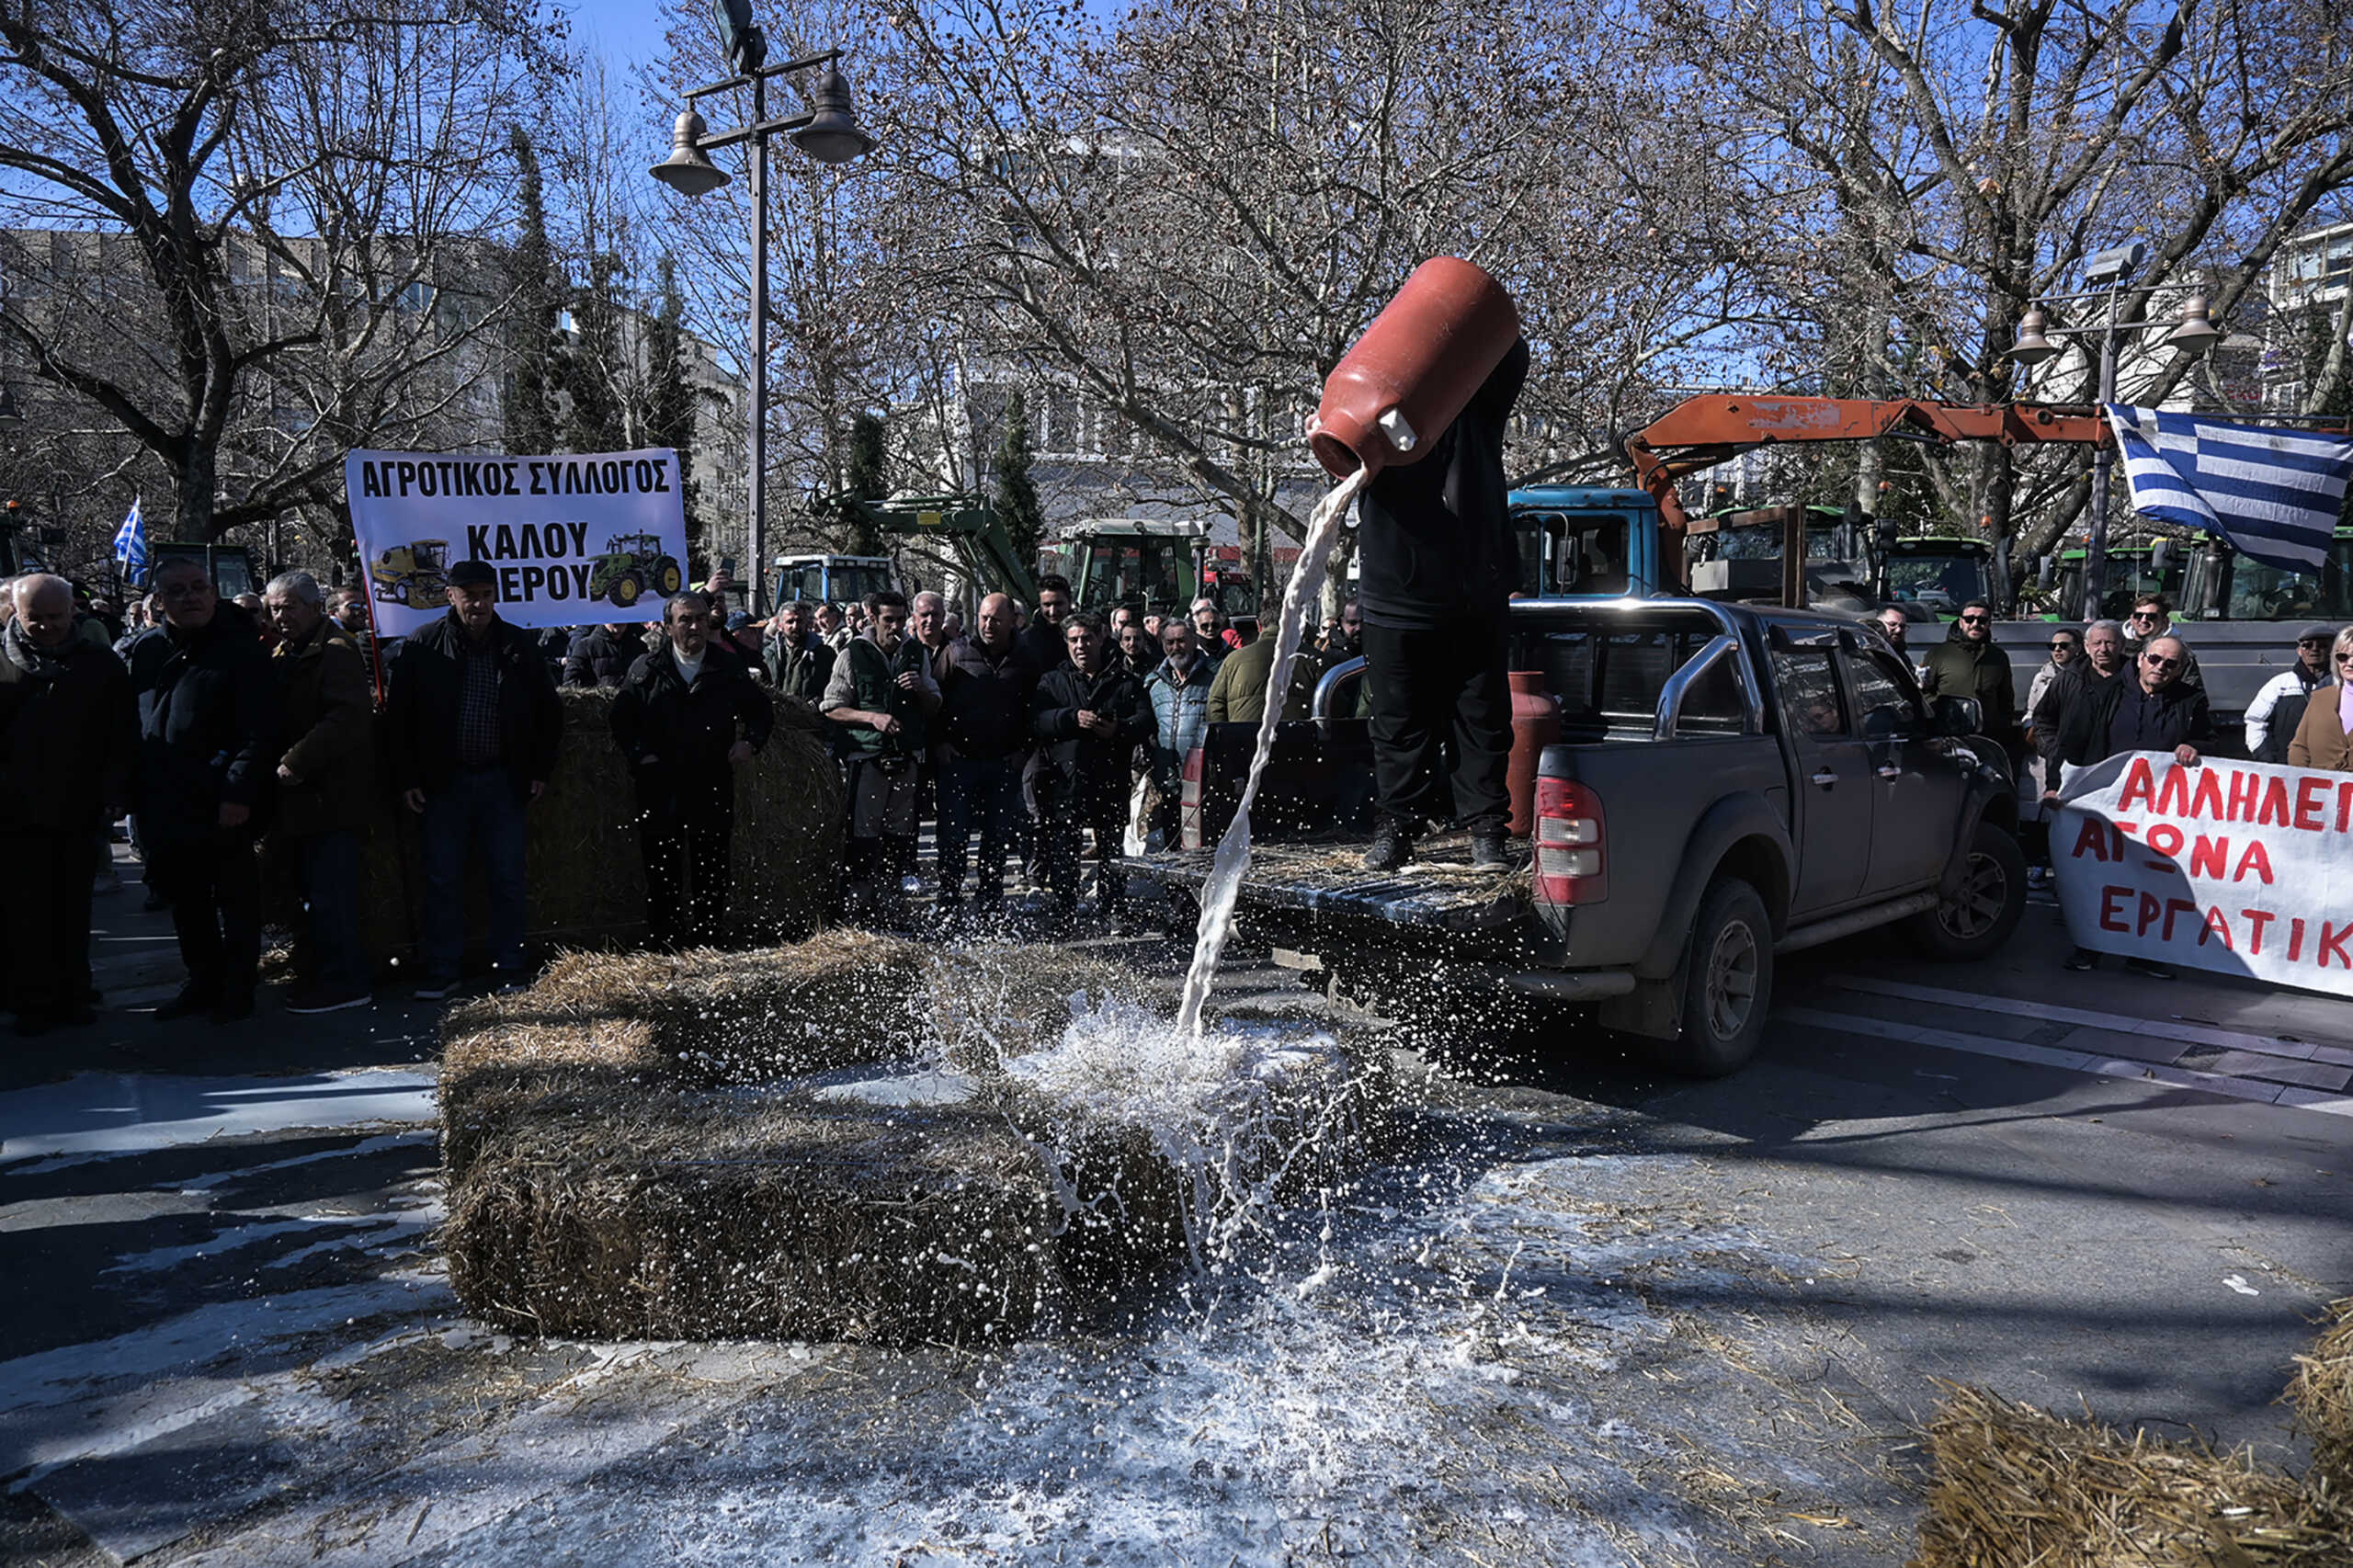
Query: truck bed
point(1436, 890)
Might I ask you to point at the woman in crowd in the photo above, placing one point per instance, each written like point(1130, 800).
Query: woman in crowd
point(2325, 739)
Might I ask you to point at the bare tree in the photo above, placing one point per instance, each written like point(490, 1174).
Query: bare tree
point(274, 200)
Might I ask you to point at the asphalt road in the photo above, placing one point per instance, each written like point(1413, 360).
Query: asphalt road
point(224, 1320)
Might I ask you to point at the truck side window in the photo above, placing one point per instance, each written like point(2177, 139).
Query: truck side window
point(1881, 696)
point(1810, 689)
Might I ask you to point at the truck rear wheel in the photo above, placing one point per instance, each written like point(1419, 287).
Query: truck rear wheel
point(1727, 982)
point(1984, 909)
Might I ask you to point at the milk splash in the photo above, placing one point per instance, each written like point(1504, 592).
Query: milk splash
point(1234, 850)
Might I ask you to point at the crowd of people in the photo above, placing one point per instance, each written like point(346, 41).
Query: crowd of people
point(231, 737)
point(2116, 687)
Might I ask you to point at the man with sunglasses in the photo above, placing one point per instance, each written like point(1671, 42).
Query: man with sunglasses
point(1967, 664)
point(2278, 708)
point(2152, 617)
point(2150, 709)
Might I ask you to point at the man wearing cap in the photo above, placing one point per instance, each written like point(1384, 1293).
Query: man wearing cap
point(473, 722)
point(2278, 708)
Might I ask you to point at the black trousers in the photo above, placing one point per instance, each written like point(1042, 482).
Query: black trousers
point(1427, 688)
point(687, 828)
point(47, 923)
point(214, 884)
point(1067, 813)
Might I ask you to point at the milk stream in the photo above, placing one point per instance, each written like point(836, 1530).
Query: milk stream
point(1234, 850)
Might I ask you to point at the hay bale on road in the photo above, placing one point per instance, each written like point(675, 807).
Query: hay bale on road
point(2322, 1393)
point(2017, 1487)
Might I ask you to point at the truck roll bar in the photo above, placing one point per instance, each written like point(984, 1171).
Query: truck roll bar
point(1321, 708)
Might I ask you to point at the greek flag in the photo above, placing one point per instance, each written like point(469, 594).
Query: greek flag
point(130, 547)
point(2274, 493)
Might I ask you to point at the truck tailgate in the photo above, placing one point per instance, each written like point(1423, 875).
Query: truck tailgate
point(1436, 890)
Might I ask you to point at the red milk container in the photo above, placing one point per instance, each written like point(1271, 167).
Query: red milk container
point(1535, 724)
point(1395, 393)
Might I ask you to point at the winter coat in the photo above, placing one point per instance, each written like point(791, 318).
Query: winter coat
point(208, 729)
point(69, 735)
point(800, 672)
point(1240, 695)
point(330, 730)
point(672, 732)
point(1047, 647)
point(1435, 538)
point(1179, 715)
point(2278, 707)
point(597, 658)
point(1090, 771)
point(2320, 741)
point(426, 689)
point(1959, 667)
point(984, 702)
point(2090, 707)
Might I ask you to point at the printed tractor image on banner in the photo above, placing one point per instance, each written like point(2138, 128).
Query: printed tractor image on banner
point(574, 539)
point(2241, 867)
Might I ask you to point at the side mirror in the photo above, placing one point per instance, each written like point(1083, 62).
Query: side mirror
point(1959, 715)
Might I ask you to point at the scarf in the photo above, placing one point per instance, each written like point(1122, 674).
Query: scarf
point(2344, 707)
point(32, 659)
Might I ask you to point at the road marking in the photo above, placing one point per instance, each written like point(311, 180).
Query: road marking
point(2074, 1061)
point(2188, 1033)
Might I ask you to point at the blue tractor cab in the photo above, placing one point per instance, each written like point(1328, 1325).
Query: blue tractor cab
point(1581, 541)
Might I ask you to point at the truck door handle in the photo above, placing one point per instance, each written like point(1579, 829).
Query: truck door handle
point(1890, 771)
point(1825, 777)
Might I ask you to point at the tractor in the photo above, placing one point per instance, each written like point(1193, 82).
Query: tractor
point(415, 574)
point(630, 564)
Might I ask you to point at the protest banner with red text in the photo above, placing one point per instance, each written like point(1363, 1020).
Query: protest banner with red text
point(2241, 867)
point(574, 538)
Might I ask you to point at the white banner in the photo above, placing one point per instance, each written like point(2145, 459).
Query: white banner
point(2241, 867)
point(575, 539)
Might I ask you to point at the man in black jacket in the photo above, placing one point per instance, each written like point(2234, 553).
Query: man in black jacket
point(208, 751)
point(2148, 707)
point(472, 720)
point(983, 742)
point(68, 733)
point(685, 719)
point(601, 656)
point(1089, 718)
point(1439, 565)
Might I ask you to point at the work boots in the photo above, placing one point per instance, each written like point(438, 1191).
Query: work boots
point(1392, 846)
point(1490, 850)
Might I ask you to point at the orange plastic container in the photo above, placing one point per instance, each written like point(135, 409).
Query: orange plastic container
point(1535, 724)
point(1395, 393)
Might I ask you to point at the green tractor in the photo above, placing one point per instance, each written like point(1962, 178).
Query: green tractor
point(630, 564)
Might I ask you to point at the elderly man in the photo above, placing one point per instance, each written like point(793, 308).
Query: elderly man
point(687, 718)
point(882, 694)
point(323, 781)
point(1216, 633)
point(1179, 691)
point(2148, 707)
point(2102, 661)
point(984, 741)
point(2278, 706)
point(208, 728)
point(800, 661)
point(473, 722)
point(68, 735)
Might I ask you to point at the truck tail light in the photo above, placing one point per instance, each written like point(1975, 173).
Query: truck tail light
point(1189, 832)
point(1572, 861)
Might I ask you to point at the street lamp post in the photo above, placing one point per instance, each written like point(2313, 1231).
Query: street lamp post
point(2192, 332)
point(827, 133)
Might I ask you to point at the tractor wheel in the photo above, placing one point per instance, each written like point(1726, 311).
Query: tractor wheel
point(400, 592)
point(667, 578)
point(625, 589)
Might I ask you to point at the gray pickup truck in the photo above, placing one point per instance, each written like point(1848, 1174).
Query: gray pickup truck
point(1729, 784)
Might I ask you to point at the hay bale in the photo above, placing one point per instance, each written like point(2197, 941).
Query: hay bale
point(713, 1213)
point(2017, 1487)
point(2322, 1391)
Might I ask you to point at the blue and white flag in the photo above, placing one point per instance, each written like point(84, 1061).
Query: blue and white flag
point(2274, 493)
point(130, 547)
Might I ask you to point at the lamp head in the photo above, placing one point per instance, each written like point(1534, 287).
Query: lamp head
point(2196, 333)
point(2113, 265)
point(833, 135)
point(2032, 347)
point(688, 169)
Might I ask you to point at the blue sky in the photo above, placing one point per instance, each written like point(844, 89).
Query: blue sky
point(628, 31)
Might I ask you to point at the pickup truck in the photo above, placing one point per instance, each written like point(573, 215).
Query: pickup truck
point(1729, 784)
